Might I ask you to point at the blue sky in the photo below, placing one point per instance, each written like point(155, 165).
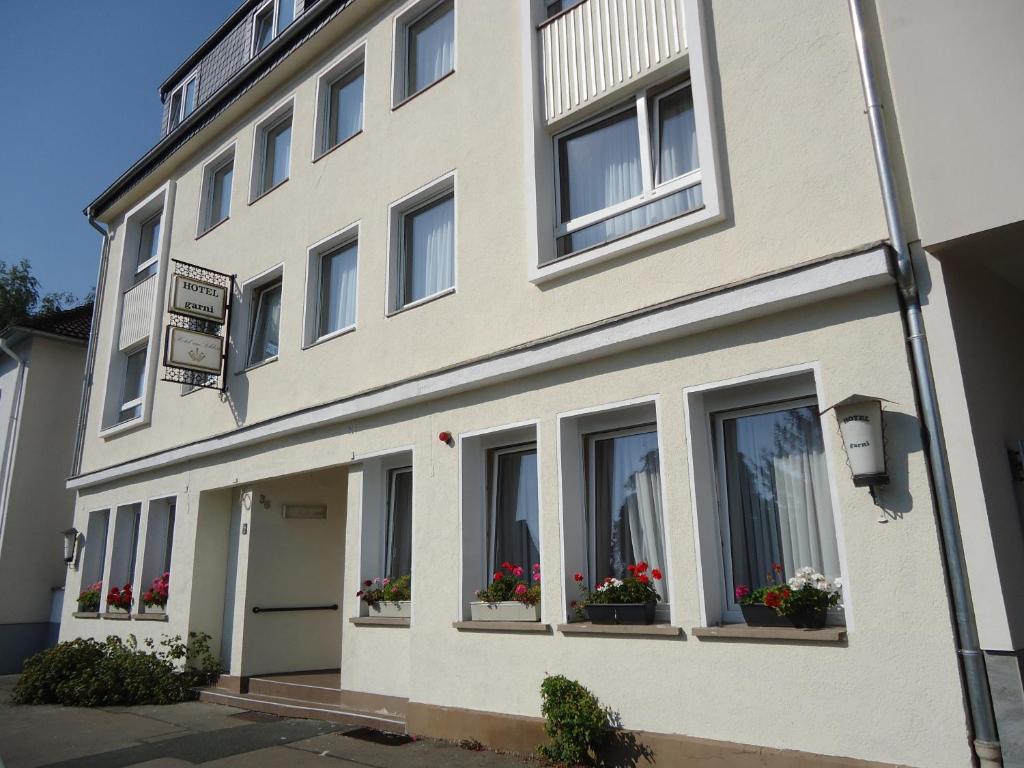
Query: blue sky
point(78, 85)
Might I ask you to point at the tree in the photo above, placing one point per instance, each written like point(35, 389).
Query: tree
point(19, 294)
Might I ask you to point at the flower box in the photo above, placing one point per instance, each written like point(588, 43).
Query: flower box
point(620, 613)
point(156, 610)
point(385, 609)
point(506, 610)
point(116, 609)
point(760, 615)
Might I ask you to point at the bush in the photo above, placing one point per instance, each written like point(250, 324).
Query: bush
point(88, 673)
point(574, 720)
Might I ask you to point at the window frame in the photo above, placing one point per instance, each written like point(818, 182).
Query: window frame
point(137, 401)
point(220, 159)
point(142, 268)
point(272, 119)
point(174, 120)
point(253, 50)
point(255, 310)
point(651, 189)
point(407, 17)
point(493, 456)
point(343, 66)
point(390, 478)
point(314, 284)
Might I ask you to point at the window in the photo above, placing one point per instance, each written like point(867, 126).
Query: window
point(424, 263)
point(336, 308)
point(425, 50)
point(215, 205)
point(125, 546)
point(270, 20)
point(95, 548)
point(398, 531)
point(273, 154)
point(285, 14)
point(149, 248)
point(266, 324)
point(134, 385)
point(632, 168)
point(774, 496)
point(340, 112)
point(183, 102)
point(159, 541)
point(513, 531)
point(624, 508)
point(555, 7)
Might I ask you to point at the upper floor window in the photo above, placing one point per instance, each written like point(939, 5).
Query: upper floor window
point(149, 247)
point(266, 324)
point(272, 157)
point(133, 384)
point(215, 201)
point(183, 102)
point(426, 258)
point(337, 298)
point(628, 169)
point(339, 114)
point(425, 49)
point(269, 21)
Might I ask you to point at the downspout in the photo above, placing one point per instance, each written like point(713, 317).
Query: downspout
point(971, 658)
point(90, 357)
point(12, 435)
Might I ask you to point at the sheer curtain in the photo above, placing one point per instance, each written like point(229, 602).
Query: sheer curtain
point(431, 47)
point(627, 505)
point(346, 107)
point(338, 289)
point(515, 532)
point(677, 144)
point(430, 250)
point(779, 507)
point(600, 166)
point(399, 533)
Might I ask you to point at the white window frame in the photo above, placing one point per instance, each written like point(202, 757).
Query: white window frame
point(408, 15)
point(271, 119)
point(173, 121)
point(211, 168)
point(391, 476)
point(251, 289)
point(352, 59)
point(313, 296)
point(429, 193)
point(273, 27)
point(701, 403)
point(494, 454)
point(136, 402)
point(143, 267)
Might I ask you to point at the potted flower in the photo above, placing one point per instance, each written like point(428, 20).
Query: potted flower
point(155, 598)
point(802, 601)
point(89, 598)
point(388, 598)
point(119, 600)
point(620, 601)
point(508, 597)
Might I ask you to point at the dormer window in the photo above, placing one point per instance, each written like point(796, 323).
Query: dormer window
point(270, 20)
point(183, 102)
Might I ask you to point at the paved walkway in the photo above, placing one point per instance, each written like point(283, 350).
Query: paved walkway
point(210, 735)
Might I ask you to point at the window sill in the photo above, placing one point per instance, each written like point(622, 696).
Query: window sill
point(86, 614)
point(502, 626)
point(424, 89)
point(743, 632)
point(210, 229)
point(330, 336)
point(123, 426)
point(375, 621)
point(648, 630)
point(339, 145)
point(150, 616)
point(116, 616)
point(421, 302)
point(260, 364)
point(261, 195)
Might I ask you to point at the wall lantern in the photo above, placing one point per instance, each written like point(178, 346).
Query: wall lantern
point(70, 542)
point(860, 424)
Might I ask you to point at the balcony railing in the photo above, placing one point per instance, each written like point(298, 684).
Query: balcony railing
point(137, 312)
point(602, 45)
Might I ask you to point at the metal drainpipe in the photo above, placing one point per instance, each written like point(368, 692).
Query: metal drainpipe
point(90, 358)
point(972, 660)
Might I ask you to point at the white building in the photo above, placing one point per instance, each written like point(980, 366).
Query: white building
point(42, 360)
point(625, 252)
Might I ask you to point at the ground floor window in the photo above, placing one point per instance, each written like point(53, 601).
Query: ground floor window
point(398, 534)
point(514, 525)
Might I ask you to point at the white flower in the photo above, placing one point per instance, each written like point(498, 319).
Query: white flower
point(797, 582)
point(838, 583)
point(805, 571)
point(818, 577)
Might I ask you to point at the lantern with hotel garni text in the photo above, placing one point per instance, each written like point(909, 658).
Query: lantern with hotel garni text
point(860, 425)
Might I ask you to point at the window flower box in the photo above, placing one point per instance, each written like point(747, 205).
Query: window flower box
point(89, 598)
point(620, 613)
point(509, 597)
point(120, 600)
point(155, 598)
point(388, 598)
point(391, 609)
point(505, 610)
point(620, 601)
point(802, 601)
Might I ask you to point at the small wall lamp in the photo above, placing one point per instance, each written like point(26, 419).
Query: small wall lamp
point(70, 544)
point(861, 427)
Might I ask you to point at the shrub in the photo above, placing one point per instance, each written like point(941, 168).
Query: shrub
point(386, 590)
point(574, 720)
point(88, 673)
point(508, 584)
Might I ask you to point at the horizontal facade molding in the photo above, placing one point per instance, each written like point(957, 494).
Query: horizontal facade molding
point(828, 278)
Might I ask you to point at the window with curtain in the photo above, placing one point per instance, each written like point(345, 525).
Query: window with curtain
point(615, 179)
point(134, 384)
point(263, 28)
point(266, 326)
point(337, 309)
point(345, 108)
point(398, 531)
point(624, 506)
point(427, 262)
point(430, 51)
point(218, 193)
point(774, 493)
point(514, 523)
point(277, 140)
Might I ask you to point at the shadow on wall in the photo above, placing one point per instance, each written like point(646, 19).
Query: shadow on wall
point(236, 380)
point(623, 749)
point(902, 437)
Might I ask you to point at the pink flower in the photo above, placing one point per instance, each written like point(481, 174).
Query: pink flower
point(521, 589)
point(742, 591)
point(517, 571)
point(387, 581)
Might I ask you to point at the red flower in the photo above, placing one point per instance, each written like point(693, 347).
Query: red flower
point(578, 576)
point(776, 567)
point(507, 566)
point(367, 583)
point(643, 578)
point(641, 567)
point(772, 599)
point(497, 576)
point(630, 568)
point(656, 574)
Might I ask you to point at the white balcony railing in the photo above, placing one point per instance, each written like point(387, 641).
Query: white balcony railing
point(600, 45)
point(137, 312)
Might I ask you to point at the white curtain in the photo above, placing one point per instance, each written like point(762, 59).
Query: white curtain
point(338, 289)
point(346, 107)
point(779, 506)
point(515, 527)
point(628, 509)
point(431, 45)
point(677, 136)
point(430, 250)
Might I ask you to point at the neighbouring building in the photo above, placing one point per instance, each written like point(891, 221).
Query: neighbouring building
point(42, 362)
point(574, 285)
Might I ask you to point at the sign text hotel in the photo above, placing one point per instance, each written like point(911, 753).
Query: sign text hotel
point(197, 298)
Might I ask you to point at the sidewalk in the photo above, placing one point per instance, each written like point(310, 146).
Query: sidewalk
point(211, 735)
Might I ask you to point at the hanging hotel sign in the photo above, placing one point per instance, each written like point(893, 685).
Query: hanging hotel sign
point(199, 314)
point(198, 298)
point(194, 351)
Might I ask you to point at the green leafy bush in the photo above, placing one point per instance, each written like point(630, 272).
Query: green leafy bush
point(574, 720)
point(88, 673)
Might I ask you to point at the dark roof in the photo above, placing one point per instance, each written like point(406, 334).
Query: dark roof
point(74, 323)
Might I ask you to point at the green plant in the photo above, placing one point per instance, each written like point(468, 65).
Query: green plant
point(386, 590)
point(574, 720)
point(636, 588)
point(507, 585)
point(88, 673)
point(806, 591)
point(89, 598)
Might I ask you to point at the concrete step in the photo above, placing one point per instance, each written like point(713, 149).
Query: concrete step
point(315, 694)
point(287, 707)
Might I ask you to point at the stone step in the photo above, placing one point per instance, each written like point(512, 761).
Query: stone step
point(282, 689)
point(286, 707)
